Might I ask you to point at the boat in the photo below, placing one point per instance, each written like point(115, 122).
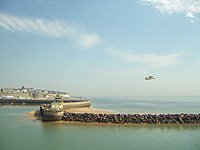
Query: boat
point(53, 111)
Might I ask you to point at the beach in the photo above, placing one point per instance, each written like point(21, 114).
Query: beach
point(35, 114)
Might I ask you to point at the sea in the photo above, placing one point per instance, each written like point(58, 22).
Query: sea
point(17, 132)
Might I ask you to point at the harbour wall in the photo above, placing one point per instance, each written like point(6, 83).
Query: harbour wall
point(34, 101)
point(133, 118)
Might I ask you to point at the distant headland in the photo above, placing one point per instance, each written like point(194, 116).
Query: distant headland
point(31, 96)
point(31, 93)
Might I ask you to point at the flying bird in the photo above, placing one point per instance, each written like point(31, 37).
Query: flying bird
point(150, 78)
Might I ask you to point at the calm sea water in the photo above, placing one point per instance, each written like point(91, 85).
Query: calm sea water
point(150, 104)
point(19, 133)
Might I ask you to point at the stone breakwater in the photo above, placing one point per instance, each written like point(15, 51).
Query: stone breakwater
point(133, 118)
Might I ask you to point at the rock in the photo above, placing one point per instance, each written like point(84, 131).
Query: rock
point(132, 118)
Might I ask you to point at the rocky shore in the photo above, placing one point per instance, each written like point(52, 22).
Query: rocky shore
point(94, 115)
point(132, 118)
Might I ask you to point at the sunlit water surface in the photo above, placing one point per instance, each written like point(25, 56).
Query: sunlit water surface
point(17, 132)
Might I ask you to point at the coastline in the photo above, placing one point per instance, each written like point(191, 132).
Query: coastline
point(35, 114)
point(15, 123)
point(99, 116)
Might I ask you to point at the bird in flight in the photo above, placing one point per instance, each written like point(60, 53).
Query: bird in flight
point(150, 78)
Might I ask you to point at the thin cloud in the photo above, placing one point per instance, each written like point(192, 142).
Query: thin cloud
point(49, 28)
point(152, 60)
point(188, 7)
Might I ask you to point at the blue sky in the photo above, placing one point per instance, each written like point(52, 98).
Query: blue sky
point(101, 48)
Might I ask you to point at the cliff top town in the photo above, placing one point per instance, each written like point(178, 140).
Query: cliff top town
point(31, 93)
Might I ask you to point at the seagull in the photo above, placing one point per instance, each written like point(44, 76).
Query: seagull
point(150, 78)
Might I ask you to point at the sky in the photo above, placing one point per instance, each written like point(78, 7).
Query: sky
point(101, 48)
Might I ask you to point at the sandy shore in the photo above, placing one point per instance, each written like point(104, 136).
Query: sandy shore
point(88, 110)
point(35, 114)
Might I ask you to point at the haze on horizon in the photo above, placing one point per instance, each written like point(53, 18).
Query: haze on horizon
point(101, 48)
